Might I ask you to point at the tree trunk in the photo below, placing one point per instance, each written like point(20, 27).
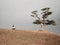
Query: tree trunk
point(41, 26)
point(43, 23)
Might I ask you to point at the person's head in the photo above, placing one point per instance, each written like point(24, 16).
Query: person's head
point(12, 25)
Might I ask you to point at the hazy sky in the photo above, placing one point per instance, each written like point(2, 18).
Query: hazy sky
point(17, 12)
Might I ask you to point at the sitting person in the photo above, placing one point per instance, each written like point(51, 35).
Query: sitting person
point(13, 27)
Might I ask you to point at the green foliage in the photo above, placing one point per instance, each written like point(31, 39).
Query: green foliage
point(37, 22)
point(50, 22)
point(45, 13)
point(45, 9)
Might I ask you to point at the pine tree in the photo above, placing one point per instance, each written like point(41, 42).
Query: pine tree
point(45, 13)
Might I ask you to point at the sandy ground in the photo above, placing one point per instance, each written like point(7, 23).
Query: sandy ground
point(25, 37)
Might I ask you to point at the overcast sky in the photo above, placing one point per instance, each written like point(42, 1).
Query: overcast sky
point(17, 12)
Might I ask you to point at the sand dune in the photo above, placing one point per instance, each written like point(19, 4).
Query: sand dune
point(22, 37)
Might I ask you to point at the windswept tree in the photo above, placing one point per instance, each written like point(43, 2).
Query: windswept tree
point(45, 13)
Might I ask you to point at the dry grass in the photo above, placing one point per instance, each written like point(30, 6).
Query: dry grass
point(21, 37)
